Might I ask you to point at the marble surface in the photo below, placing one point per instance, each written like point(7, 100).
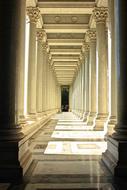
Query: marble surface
point(86, 186)
point(81, 148)
point(62, 163)
point(91, 168)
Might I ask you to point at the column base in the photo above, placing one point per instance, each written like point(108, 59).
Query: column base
point(39, 115)
point(115, 157)
point(85, 117)
point(111, 125)
point(100, 122)
point(22, 119)
point(10, 169)
point(31, 116)
point(91, 119)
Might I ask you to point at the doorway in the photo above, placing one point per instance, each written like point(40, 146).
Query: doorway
point(65, 98)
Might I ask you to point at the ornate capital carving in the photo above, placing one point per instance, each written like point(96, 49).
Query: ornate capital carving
point(91, 35)
point(81, 58)
point(33, 13)
point(86, 47)
point(41, 35)
point(100, 14)
point(47, 48)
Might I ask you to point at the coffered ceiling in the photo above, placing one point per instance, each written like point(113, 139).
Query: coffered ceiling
point(66, 22)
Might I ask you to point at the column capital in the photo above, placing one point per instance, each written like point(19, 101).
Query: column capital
point(41, 36)
point(91, 35)
point(47, 48)
point(33, 13)
point(86, 46)
point(100, 14)
point(81, 58)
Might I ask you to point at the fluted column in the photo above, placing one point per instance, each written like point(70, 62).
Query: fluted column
point(100, 15)
point(34, 15)
point(116, 155)
point(93, 110)
point(39, 72)
point(113, 110)
point(70, 98)
point(44, 54)
point(83, 80)
point(21, 71)
point(11, 59)
point(86, 46)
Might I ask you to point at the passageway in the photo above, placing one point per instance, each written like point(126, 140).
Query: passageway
point(63, 110)
point(66, 154)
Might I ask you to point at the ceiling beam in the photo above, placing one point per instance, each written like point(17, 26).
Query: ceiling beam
point(65, 50)
point(65, 42)
point(67, 10)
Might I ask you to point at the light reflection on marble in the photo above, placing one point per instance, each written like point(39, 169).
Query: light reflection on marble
point(58, 186)
point(68, 167)
point(74, 127)
point(78, 134)
point(70, 123)
point(73, 148)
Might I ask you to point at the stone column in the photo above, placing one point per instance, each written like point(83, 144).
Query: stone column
point(21, 72)
point(34, 15)
point(83, 80)
point(86, 46)
point(100, 15)
point(44, 54)
point(39, 72)
point(116, 157)
point(112, 119)
point(93, 111)
point(70, 98)
point(81, 86)
point(11, 58)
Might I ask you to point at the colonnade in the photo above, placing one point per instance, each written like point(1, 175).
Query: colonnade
point(24, 109)
point(89, 91)
point(94, 92)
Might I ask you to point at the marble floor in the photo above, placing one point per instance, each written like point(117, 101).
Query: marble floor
point(67, 155)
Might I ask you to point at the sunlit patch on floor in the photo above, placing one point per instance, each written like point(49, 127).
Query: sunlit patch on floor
point(82, 148)
point(78, 134)
point(74, 127)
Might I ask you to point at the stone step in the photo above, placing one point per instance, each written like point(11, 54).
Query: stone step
point(70, 186)
point(53, 157)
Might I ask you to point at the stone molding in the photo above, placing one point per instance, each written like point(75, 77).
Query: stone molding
point(86, 47)
point(34, 14)
point(100, 14)
point(47, 48)
point(91, 35)
point(42, 37)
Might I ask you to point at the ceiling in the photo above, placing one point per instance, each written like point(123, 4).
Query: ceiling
point(65, 23)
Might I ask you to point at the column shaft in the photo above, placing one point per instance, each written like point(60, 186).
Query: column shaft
point(39, 73)
point(33, 14)
point(32, 71)
point(11, 36)
point(92, 78)
point(100, 15)
point(113, 89)
point(115, 157)
point(86, 82)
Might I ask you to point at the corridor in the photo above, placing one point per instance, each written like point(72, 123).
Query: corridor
point(63, 89)
point(66, 154)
